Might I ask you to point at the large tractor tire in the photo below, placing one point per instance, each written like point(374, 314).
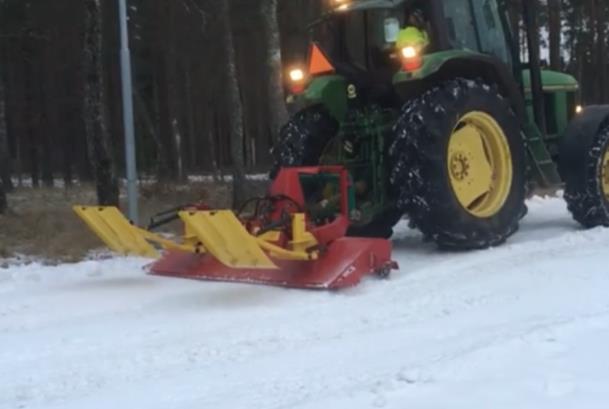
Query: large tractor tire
point(459, 165)
point(303, 139)
point(302, 142)
point(584, 166)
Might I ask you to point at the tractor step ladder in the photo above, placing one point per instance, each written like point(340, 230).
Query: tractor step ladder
point(546, 171)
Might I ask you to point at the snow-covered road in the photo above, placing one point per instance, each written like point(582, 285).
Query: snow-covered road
point(522, 326)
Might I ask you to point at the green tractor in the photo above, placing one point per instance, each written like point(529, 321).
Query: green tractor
point(429, 107)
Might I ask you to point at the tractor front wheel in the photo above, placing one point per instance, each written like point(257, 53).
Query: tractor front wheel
point(458, 165)
point(303, 139)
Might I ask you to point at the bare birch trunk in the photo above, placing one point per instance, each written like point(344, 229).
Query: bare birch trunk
point(235, 107)
point(98, 139)
point(278, 111)
point(177, 136)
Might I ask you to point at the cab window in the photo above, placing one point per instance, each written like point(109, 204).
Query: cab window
point(358, 38)
point(490, 27)
point(355, 36)
point(460, 24)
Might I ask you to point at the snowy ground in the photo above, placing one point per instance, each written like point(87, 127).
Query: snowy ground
point(522, 326)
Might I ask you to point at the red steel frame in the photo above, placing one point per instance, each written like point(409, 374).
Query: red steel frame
point(343, 262)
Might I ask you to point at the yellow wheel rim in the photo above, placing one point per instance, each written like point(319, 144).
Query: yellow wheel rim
point(605, 174)
point(480, 164)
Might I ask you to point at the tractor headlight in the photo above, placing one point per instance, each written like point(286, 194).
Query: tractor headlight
point(297, 75)
point(409, 52)
point(297, 82)
point(411, 58)
point(342, 5)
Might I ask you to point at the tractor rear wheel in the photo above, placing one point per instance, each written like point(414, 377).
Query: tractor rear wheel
point(302, 142)
point(459, 165)
point(584, 166)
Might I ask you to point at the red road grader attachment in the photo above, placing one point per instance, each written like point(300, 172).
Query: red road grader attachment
point(286, 240)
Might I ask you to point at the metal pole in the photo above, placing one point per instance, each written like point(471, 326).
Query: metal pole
point(127, 93)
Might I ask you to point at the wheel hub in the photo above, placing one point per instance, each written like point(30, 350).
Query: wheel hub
point(605, 174)
point(459, 166)
point(480, 164)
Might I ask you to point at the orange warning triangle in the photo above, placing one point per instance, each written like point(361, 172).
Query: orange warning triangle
point(318, 62)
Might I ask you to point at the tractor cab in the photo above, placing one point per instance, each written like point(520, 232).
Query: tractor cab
point(359, 40)
point(383, 47)
point(364, 36)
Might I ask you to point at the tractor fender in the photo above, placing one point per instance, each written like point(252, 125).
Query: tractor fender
point(329, 91)
point(448, 65)
point(579, 134)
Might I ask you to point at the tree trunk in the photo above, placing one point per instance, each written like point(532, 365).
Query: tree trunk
point(601, 49)
point(168, 86)
point(555, 29)
point(214, 165)
point(162, 167)
point(151, 130)
point(32, 120)
point(235, 108)
point(277, 107)
point(47, 128)
point(5, 171)
point(190, 120)
point(14, 90)
point(3, 201)
point(98, 138)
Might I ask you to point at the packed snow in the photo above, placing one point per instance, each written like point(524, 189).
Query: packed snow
point(525, 325)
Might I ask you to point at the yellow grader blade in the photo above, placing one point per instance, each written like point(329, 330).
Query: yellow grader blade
point(219, 233)
point(226, 239)
point(111, 226)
